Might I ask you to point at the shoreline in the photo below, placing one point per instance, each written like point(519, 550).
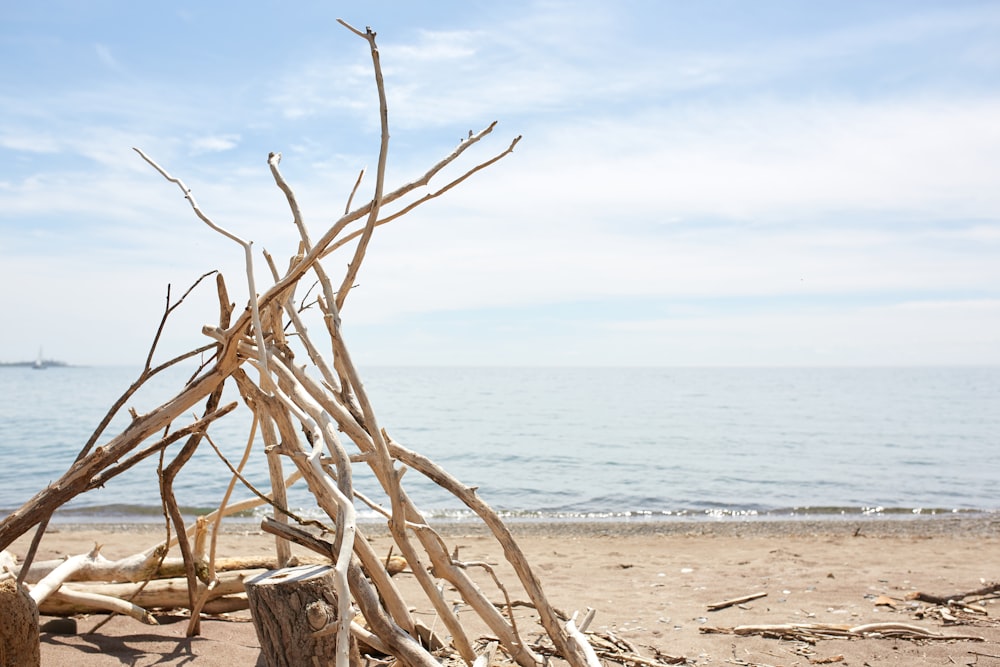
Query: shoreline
point(980, 525)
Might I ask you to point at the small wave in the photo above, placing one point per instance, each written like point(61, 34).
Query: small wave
point(121, 513)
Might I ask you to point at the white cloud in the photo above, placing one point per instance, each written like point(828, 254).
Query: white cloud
point(34, 142)
point(768, 160)
point(215, 143)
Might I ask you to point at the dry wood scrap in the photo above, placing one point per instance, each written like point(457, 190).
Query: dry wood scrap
point(606, 646)
point(812, 632)
point(70, 603)
point(990, 590)
point(612, 649)
point(957, 613)
point(716, 606)
point(158, 594)
point(170, 567)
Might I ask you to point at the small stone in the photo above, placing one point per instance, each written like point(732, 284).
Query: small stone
point(59, 626)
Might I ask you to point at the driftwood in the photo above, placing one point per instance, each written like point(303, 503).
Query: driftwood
point(990, 590)
point(812, 632)
point(313, 415)
point(716, 606)
point(168, 568)
point(157, 594)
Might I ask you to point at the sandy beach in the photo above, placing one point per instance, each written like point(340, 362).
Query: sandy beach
point(652, 584)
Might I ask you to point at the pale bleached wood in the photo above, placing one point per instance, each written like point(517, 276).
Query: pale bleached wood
point(158, 594)
point(92, 566)
point(99, 602)
point(512, 551)
point(715, 606)
point(124, 570)
point(246, 245)
point(580, 641)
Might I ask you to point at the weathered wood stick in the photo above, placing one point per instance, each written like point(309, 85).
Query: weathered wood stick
point(829, 630)
point(161, 594)
point(715, 606)
point(97, 601)
point(119, 570)
point(945, 599)
point(59, 605)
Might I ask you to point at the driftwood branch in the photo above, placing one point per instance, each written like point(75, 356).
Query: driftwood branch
point(812, 632)
point(716, 606)
point(988, 590)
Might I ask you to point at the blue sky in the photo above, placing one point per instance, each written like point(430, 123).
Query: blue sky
point(709, 183)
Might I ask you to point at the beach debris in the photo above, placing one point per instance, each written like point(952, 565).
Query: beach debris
point(8, 563)
point(991, 590)
point(813, 632)
point(611, 648)
point(227, 595)
point(716, 606)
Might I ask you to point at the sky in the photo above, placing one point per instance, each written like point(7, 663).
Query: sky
point(716, 183)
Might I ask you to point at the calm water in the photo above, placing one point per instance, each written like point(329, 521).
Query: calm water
point(585, 442)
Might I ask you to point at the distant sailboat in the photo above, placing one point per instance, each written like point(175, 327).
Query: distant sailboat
point(39, 364)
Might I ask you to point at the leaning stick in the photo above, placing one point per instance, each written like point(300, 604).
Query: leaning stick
point(580, 640)
point(246, 245)
point(383, 151)
point(512, 551)
point(105, 602)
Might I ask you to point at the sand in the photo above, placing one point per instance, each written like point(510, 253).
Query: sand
point(651, 584)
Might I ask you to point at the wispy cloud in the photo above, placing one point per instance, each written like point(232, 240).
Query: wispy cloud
point(215, 143)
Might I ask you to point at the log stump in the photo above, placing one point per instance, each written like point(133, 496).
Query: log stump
point(19, 644)
point(289, 606)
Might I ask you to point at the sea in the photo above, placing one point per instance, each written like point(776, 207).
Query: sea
point(616, 444)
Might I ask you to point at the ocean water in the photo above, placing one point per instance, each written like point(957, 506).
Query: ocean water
point(637, 443)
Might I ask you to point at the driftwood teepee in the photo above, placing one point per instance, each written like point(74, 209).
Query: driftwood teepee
point(313, 414)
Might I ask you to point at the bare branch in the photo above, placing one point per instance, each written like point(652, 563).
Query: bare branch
point(383, 108)
point(246, 245)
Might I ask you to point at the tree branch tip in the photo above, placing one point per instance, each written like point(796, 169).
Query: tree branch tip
point(353, 29)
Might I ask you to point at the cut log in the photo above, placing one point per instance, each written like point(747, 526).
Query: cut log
point(19, 645)
point(295, 614)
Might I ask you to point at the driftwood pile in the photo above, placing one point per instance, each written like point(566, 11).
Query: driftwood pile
point(957, 609)
point(286, 354)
